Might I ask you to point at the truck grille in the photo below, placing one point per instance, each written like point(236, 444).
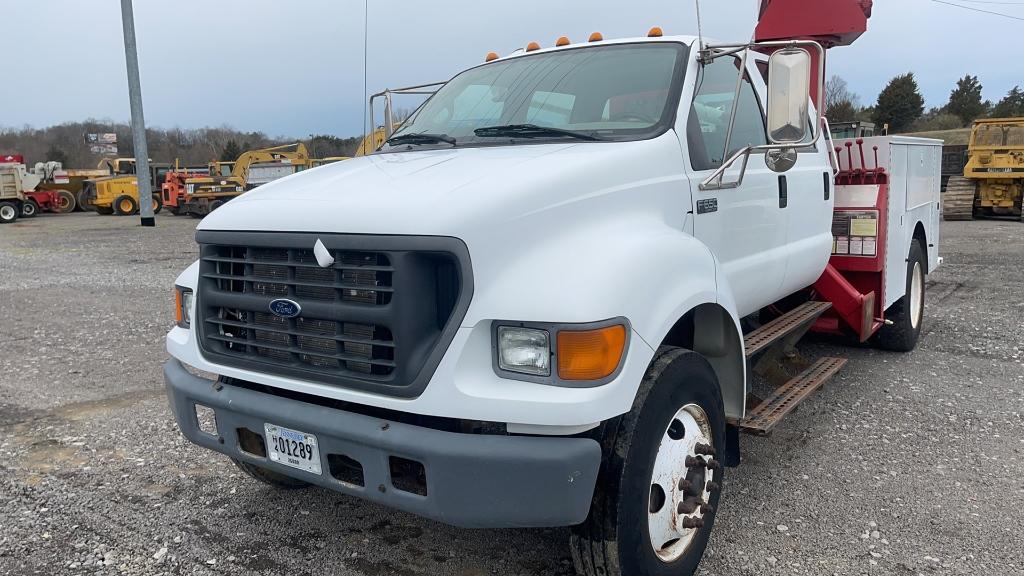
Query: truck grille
point(378, 319)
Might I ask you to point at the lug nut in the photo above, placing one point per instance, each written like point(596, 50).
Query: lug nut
point(694, 462)
point(685, 485)
point(706, 509)
point(713, 487)
point(691, 523)
point(704, 449)
point(686, 507)
point(713, 464)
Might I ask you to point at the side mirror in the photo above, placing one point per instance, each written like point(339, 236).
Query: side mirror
point(781, 160)
point(789, 91)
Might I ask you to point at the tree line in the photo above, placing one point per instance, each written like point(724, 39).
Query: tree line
point(66, 143)
point(901, 106)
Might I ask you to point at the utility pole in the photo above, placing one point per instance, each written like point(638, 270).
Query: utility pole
point(131, 58)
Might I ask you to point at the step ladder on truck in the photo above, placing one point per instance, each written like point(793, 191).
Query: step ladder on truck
point(554, 310)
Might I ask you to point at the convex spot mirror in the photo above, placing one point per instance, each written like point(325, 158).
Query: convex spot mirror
point(789, 91)
point(780, 160)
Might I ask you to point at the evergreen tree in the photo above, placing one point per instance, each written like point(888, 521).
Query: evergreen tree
point(56, 154)
point(899, 104)
point(965, 100)
point(231, 151)
point(1011, 106)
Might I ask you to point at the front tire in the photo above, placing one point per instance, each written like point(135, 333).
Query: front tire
point(907, 313)
point(125, 205)
point(269, 477)
point(659, 485)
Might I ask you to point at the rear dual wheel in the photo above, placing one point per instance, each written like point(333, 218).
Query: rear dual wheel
point(29, 208)
point(9, 212)
point(659, 485)
point(906, 316)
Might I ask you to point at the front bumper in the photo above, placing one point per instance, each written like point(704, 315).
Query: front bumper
point(472, 480)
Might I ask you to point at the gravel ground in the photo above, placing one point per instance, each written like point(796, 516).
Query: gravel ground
point(904, 464)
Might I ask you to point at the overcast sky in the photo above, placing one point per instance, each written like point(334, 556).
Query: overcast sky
point(294, 68)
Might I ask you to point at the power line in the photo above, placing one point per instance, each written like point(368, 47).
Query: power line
point(978, 10)
point(992, 2)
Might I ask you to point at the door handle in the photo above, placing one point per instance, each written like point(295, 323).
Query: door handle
point(783, 191)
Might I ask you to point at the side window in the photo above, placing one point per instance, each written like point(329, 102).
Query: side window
point(709, 115)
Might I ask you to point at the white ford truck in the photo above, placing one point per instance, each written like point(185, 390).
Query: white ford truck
point(526, 308)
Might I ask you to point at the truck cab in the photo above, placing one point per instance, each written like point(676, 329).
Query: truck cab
point(525, 308)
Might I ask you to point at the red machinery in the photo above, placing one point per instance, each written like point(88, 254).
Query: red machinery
point(830, 23)
point(852, 282)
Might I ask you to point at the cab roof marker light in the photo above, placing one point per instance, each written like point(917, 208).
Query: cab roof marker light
point(491, 57)
point(655, 32)
point(563, 41)
point(596, 37)
point(532, 46)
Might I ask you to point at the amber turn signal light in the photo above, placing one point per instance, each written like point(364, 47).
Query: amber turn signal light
point(590, 354)
point(179, 316)
point(491, 57)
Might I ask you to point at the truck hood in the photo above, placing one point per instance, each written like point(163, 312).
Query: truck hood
point(434, 192)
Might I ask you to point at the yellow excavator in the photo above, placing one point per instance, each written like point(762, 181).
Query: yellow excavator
point(993, 180)
point(204, 194)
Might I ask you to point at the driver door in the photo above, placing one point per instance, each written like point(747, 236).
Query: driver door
point(745, 227)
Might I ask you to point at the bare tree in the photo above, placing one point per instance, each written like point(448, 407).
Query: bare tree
point(838, 95)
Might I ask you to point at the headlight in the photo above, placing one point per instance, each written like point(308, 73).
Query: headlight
point(183, 306)
point(574, 355)
point(524, 350)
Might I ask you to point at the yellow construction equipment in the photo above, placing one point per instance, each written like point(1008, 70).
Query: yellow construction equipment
point(119, 193)
point(253, 168)
point(993, 180)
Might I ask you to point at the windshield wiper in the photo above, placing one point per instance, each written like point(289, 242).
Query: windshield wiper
point(530, 131)
point(420, 138)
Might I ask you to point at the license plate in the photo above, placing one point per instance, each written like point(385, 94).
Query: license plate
point(293, 448)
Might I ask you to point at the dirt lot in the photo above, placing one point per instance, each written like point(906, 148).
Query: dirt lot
point(903, 465)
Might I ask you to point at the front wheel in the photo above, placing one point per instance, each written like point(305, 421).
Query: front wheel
point(659, 485)
point(907, 313)
point(125, 205)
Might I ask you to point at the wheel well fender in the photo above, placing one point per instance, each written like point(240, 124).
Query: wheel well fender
point(921, 236)
point(714, 332)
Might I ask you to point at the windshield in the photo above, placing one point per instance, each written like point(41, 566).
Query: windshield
point(616, 92)
point(999, 135)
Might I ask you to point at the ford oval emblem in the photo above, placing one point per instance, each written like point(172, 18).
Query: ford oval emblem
point(285, 308)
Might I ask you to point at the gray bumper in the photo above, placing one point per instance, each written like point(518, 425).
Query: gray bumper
point(472, 480)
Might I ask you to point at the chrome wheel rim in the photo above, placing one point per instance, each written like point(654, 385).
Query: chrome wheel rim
point(682, 481)
point(916, 295)
point(7, 212)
